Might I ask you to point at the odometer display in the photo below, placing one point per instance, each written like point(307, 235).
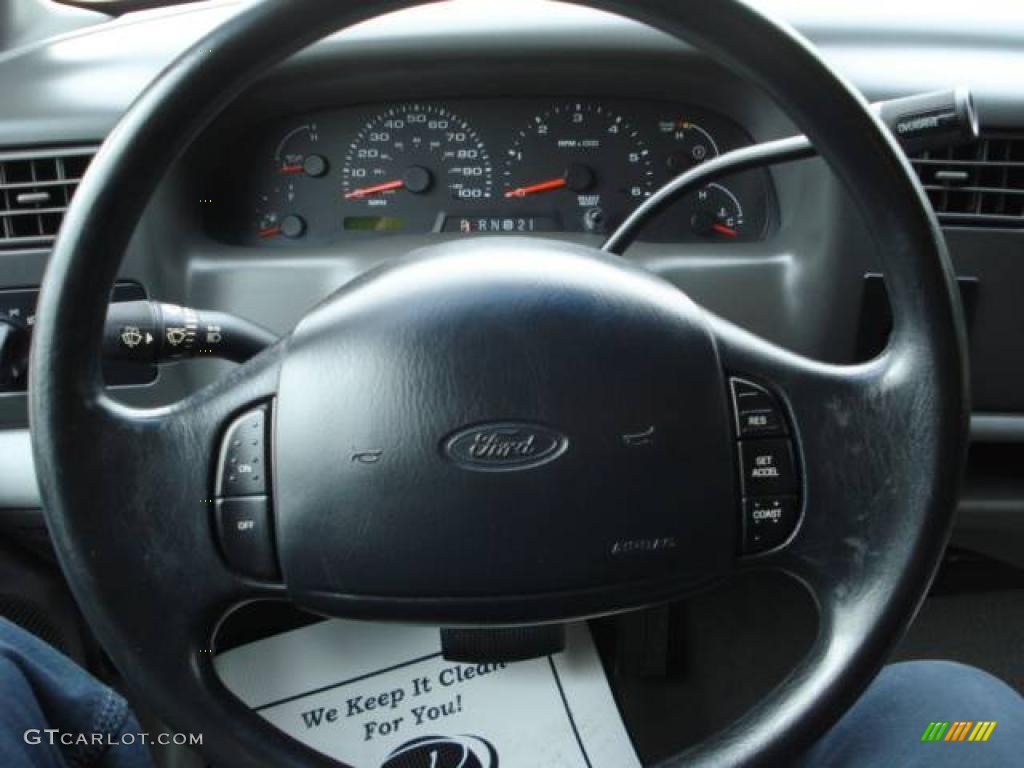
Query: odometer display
point(517, 225)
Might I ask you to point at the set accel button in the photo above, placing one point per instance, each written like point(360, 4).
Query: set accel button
point(767, 467)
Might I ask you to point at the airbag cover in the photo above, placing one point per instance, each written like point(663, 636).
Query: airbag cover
point(502, 417)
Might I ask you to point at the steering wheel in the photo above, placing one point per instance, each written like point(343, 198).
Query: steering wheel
point(502, 431)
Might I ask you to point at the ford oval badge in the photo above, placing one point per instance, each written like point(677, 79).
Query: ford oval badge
point(504, 447)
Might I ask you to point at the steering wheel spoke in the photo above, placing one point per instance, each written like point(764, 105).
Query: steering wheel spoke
point(814, 464)
point(149, 542)
point(156, 523)
point(840, 421)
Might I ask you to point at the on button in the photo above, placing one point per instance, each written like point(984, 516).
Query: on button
point(242, 468)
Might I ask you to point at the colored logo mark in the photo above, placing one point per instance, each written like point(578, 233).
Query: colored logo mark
point(958, 730)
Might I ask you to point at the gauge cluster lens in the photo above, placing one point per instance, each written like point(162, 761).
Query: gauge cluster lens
point(512, 166)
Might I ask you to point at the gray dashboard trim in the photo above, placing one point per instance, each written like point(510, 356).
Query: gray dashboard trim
point(18, 489)
point(23, 22)
point(76, 86)
point(997, 428)
point(40, 152)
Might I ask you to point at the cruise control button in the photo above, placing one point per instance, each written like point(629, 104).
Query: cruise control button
point(767, 468)
point(242, 469)
point(244, 528)
point(768, 522)
point(757, 412)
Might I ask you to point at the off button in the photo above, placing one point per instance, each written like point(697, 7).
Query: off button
point(767, 468)
point(245, 529)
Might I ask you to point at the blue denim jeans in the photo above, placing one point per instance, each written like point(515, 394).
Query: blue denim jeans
point(886, 725)
point(41, 689)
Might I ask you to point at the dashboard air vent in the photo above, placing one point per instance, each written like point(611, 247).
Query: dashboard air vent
point(976, 185)
point(35, 188)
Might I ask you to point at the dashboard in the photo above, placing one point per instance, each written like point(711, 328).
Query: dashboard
point(487, 119)
point(469, 166)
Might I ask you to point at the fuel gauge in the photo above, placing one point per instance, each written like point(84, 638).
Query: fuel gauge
point(271, 223)
point(290, 184)
point(268, 224)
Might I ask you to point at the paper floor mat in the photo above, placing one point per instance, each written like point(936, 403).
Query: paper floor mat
point(381, 696)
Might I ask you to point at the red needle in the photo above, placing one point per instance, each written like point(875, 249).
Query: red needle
point(269, 231)
point(722, 229)
point(364, 191)
point(542, 186)
point(292, 168)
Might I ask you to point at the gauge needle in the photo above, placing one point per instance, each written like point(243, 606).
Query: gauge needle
point(270, 231)
point(384, 187)
point(724, 229)
point(542, 186)
point(292, 168)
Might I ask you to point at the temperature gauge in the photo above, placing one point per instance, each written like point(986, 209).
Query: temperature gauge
point(717, 213)
point(712, 213)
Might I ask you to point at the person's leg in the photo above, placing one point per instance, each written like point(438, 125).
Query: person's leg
point(887, 725)
point(41, 689)
point(20, 714)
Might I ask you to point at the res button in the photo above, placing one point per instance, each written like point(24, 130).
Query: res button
point(757, 411)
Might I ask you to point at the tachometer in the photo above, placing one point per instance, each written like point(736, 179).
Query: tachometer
point(419, 151)
point(581, 160)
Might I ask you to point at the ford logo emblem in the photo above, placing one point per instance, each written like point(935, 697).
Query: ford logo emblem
point(504, 447)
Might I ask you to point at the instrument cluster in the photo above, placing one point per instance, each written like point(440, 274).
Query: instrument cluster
point(515, 166)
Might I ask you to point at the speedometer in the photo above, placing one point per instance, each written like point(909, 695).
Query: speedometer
point(408, 157)
point(581, 161)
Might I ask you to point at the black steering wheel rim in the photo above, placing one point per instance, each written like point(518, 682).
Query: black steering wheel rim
point(897, 425)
